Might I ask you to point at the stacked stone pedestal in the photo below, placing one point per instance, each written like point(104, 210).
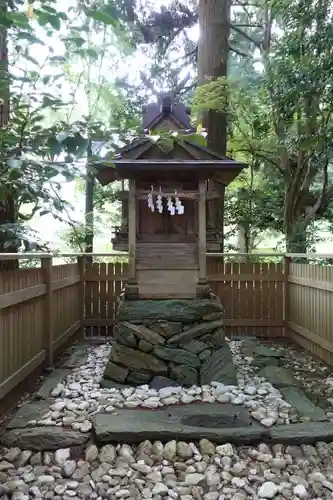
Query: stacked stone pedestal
point(170, 342)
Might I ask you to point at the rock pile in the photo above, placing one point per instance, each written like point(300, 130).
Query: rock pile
point(170, 342)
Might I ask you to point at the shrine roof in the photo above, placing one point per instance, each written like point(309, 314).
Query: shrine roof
point(144, 155)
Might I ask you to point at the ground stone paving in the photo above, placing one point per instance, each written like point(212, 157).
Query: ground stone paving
point(174, 470)
point(49, 449)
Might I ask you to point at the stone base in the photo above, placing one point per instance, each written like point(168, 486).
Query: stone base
point(172, 341)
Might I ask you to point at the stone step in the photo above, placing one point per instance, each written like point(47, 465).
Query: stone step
point(43, 438)
point(51, 382)
point(133, 426)
point(34, 410)
point(302, 404)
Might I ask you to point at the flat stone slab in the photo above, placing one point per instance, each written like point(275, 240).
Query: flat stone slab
point(50, 383)
point(77, 356)
point(189, 421)
point(43, 438)
point(165, 424)
point(278, 376)
point(267, 352)
point(302, 404)
point(186, 311)
point(111, 384)
point(28, 412)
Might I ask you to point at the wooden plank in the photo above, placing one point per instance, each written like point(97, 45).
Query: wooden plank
point(102, 297)
point(111, 305)
point(248, 293)
point(250, 287)
point(132, 231)
point(118, 286)
point(262, 323)
point(81, 264)
point(13, 298)
point(142, 194)
point(286, 305)
point(220, 277)
point(235, 295)
point(48, 310)
point(224, 289)
point(318, 284)
point(95, 299)
point(257, 296)
point(227, 322)
point(265, 298)
point(202, 231)
point(313, 337)
point(66, 282)
point(166, 255)
point(272, 276)
point(66, 335)
point(107, 276)
point(88, 296)
point(167, 284)
point(21, 374)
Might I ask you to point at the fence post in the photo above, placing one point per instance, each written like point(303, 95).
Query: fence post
point(287, 261)
point(81, 262)
point(46, 264)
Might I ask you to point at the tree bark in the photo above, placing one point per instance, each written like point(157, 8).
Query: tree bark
point(7, 205)
point(89, 208)
point(296, 237)
point(213, 50)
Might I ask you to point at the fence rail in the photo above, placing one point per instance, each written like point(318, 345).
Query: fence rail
point(41, 308)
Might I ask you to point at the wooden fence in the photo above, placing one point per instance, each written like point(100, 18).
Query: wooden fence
point(252, 295)
point(40, 309)
point(309, 308)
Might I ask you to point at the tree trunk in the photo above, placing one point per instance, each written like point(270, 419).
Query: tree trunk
point(213, 50)
point(89, 208)
point(7, 205)
point(244, 239)
point(296, 237)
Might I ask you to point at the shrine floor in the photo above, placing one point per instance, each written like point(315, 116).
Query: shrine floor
point(201, 442)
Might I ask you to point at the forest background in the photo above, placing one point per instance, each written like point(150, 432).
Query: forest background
point(74, 76)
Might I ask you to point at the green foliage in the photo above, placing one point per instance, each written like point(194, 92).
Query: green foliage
point(42, 142)
point(279, 110)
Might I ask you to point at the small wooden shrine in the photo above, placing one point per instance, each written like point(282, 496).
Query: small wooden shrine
point(169, 215)
point(169, 326)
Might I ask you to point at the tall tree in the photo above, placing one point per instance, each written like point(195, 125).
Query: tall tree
point(213, 52)
point(7, 204)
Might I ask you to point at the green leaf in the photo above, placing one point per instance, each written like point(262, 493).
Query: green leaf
point(92, 53)
point(102, 16)
point(25, 35)
point(166, 144)
point(44, 18)
point(55, 22)
point(196, 139)
point(31, 59)
point(18, 19)
point(78, 41)
point(58, 59)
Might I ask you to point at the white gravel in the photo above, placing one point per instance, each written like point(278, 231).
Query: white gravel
point(80, 397)
point(175, 470)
